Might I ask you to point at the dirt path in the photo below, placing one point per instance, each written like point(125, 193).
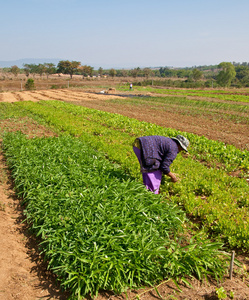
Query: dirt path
point(23, 276)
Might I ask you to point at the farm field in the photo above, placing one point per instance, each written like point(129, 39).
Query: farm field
point(224, 121)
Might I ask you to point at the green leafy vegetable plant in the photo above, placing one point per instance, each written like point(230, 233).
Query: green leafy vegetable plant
point(100, 229)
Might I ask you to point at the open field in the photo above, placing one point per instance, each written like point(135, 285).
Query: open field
point(11, 83)
point(223, 121)
point(227, 122)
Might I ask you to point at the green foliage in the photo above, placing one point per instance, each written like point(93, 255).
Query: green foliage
point(2, 206)
point(30, 84)
point(219, 200)
point(135, 72)
point(99, 229)
point(15, 70)
point(242, 75)
point(196, 74)
point(86, 70)
point(68, 67)
point(112, 72)
point(211, 109)
point(29, 68)
point(221, 293)
point(226, 75)
point(54, 87)
point(49, 69)
point(172, 83)
point(171, 72)
point(100, 71)
point(216, 94)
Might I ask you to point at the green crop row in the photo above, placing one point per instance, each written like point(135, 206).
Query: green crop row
point(216, 110)
point(98, 228)
point(219, 200)
point(182, 101)
point(212, 152)
point(216, 94)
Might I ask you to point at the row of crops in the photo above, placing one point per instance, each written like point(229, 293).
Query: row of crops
point(229, 95)
point(214, 110)
point(100, 228)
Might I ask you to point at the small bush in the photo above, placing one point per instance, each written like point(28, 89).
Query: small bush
point(30, 85)
point(54, 86)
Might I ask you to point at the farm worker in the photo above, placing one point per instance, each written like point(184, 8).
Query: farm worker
point(131, 86)
point(155, 154)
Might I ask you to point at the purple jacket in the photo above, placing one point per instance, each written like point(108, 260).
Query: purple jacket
point(158, 152)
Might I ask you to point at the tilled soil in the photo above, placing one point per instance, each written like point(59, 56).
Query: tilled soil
point(227, 131)
point(24, 276)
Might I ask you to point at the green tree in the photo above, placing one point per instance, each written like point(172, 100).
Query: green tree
point(242, 75)
point(112, 72)
point(241, 72)
point(156, 73)
point(147, 72)
point(30, 85)
point(68, 67)
point(134, 72)
point(196, 74)
point(167, 72)
point(15, 70)
point(31, 69)
point(27, 69)
point(181, 73)
point(122, 73)
point(49, 69)
point(86, 70)
point(40, 69)
point(100, 71)
point(226, 75)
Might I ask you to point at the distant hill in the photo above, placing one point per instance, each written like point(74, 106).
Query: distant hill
point(21, 62)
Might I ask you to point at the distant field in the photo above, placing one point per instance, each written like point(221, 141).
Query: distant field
point(219, 119)
point(11, 83)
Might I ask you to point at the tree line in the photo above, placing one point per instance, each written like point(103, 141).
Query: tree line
point(225, 74)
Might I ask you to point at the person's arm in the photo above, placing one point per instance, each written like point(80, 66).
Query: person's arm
point(172, 176)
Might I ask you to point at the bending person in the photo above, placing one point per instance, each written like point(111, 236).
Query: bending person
point(155, 154)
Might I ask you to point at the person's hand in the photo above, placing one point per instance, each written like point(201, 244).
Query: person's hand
point(174, 177)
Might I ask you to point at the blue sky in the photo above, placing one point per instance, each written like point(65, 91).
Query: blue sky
point(126, 34)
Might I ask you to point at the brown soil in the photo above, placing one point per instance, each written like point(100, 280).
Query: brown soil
point(227, 131)
point(23, 275)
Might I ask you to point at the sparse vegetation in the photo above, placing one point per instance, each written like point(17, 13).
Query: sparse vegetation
point(222, 75)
